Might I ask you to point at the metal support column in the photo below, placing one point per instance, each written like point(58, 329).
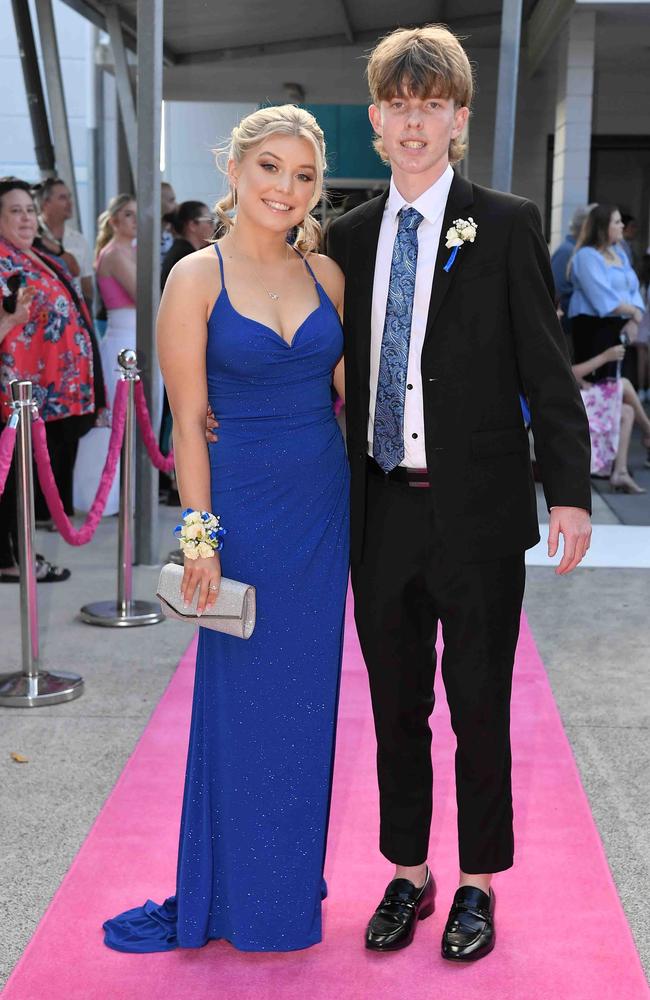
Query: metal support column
point(573, 120)
point(33, 88)
point(504, 128)
point(56, 100)
point(123, 83)
point(96, 126)
point(149, 107)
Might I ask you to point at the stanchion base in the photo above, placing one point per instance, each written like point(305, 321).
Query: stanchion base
point(46, 688)
point(111, 615)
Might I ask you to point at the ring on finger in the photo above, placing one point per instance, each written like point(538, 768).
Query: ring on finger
point(213, 586)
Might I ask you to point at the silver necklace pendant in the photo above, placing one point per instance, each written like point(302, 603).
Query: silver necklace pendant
point(273, 295)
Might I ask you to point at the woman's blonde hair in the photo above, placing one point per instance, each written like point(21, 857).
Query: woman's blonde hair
point(284, 119)
point(421, 62)
point(104, 227)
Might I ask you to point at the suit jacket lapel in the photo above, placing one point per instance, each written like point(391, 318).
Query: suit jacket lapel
point(460, 197)
point(364, 255)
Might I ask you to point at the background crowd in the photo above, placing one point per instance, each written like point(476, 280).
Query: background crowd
point(67, 311)
point(65, 314)
point(602, 290)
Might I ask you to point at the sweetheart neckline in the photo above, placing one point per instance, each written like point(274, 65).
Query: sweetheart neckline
point(256, 322)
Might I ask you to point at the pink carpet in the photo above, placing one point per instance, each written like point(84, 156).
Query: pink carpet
point(575, 943)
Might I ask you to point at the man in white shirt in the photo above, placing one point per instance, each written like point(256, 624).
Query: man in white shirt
point(431, 205)
point(449, 316)
point(60, 237)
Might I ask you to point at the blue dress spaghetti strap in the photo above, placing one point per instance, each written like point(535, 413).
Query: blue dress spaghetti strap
point(259, 766)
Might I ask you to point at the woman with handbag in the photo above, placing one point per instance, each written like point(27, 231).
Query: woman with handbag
point(250, 325)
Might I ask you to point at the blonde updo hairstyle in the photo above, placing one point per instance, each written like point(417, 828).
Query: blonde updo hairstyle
point(284, 119)
point(104, 222)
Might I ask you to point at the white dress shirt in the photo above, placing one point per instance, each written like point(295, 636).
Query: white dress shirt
point(431, 206)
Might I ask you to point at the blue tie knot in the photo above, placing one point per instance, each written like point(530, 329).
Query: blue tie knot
point(409, 218)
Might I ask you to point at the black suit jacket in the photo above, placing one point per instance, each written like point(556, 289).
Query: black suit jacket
point(492, 332)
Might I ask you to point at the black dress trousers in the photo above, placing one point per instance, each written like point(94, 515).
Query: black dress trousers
point(408, 581)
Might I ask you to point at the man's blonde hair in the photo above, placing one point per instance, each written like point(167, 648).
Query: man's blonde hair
point(421, 62)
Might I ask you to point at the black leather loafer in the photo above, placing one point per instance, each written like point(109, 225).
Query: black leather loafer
point(392, 925)
point(469, 932)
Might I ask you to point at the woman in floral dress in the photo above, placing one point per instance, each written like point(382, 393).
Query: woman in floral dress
point(613, 407)
point(55, 349)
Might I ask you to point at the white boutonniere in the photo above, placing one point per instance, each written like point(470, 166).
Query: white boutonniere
point(462, 231)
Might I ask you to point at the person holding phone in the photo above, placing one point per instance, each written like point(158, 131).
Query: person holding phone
point(53, 346)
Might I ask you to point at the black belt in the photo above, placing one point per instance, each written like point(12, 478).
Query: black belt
point(400, 474)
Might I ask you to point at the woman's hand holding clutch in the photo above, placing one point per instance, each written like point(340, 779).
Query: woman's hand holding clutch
point(204, 574)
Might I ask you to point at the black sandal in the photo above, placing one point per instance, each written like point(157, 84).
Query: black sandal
point(46, 572)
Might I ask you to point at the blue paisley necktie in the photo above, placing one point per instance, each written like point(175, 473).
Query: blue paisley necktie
point(388, 435)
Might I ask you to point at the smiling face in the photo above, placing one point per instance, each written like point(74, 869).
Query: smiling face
point(18, 220)
point(125, 222)
point(276, 182)
point(416, 133)
point(615, 231)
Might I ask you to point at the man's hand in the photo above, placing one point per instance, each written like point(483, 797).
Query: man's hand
point(210, 425)
point(575, 524)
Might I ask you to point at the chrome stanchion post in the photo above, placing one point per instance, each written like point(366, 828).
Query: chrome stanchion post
point(31, 687)
point(125, 611)
point(130, 374)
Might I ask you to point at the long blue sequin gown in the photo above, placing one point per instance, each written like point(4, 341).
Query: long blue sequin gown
point(259, 768)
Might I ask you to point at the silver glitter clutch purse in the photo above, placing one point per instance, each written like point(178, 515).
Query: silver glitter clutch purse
point(233, 611)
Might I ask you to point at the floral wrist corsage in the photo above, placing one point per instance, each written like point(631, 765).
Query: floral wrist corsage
point(200, 534)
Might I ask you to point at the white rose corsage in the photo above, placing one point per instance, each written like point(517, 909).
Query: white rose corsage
point(200, 534)
point(462, 231)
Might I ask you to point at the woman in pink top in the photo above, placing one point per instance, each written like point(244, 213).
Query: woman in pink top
point(115, 267)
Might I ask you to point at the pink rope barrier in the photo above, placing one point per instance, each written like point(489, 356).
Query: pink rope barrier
point(164, 463)
point(7, 444)
point(84, 534)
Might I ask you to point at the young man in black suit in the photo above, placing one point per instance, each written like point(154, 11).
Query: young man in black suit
point(449, 316)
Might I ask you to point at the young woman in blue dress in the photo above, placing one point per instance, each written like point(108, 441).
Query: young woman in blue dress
point(250, 325)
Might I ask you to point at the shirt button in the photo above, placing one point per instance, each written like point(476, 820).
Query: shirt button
point(413, 435)
point(409, 386)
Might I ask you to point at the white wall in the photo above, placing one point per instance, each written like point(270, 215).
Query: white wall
point(534, 122)
point(192, 130)
point(17, 147)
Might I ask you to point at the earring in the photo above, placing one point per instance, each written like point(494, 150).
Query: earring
point(234, 198)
